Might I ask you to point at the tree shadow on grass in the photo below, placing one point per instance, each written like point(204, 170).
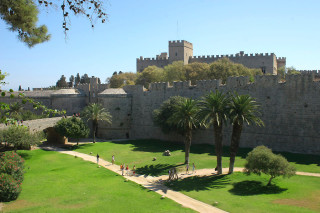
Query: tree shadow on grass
point(247, 188)
point(80, 146)
point(196, 183)
point(151, 145)
point(155, 170)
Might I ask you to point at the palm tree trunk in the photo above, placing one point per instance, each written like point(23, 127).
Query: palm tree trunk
point(187, 143)
point(94, 127)
point(218, 144)
point(235, 140)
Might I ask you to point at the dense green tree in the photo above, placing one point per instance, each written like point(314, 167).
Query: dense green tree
point(120, 80)
point(174, 72)
point(214, 111)
point(85, 79)
point(77, 79)
point(220, 69)
point(22, 16)
point(292, 71)
point(262, 160)
point(242, 109)
point(149, 75)
point(161, 116)
point(72, 128)
point(62, 82)
point(224, 68)
point(196, 71)
point(94, 113)
point(283, 71)
point(185, 118)
point(71, 80)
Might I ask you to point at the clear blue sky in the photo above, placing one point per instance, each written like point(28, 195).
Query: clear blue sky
point(143, 28)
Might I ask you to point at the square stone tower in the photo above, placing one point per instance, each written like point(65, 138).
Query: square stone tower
point(180, 51)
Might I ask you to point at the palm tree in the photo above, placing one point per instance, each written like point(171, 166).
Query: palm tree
point(214, 110)
point(243, 109)
point(185, 118)
point(95, 112)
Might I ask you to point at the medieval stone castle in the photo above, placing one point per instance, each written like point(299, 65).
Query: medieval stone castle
point(183, 51)
point(290, 109)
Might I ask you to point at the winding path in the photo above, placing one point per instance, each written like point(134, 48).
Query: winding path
point(149, 182)
point(155, 183)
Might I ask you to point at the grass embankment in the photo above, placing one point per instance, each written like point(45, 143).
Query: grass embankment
point(142, 152)
point(241, 193)
point(60, 183)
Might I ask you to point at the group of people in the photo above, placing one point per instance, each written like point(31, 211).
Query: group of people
point(173, 174)
point(193, 168)
point(76, 114)
point(123, 167)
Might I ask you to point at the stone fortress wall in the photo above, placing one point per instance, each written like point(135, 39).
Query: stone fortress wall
point(183, 51)
point(290, 109)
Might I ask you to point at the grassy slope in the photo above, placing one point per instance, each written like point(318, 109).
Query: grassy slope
point(55, 182)
point(241, 193)
point(141, 153)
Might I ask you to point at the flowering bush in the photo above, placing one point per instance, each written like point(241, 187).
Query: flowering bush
point(9, 188)
point(12, 164)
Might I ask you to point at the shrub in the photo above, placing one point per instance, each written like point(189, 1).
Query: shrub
point(12, 164)
point(262, 160)
point(9, 187)
point(72, 127)
point(20, 137)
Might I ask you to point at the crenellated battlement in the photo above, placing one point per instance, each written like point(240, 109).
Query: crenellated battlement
point(180, 42)
point(238, 55)
point(234, 83)
point(281, 58)
point(151, 59)
point(309, 71)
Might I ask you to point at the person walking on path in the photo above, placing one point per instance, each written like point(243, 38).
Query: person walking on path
point(127, 170)
point(98, 158)
point(134, 170)
point(193, 168)
point(122, 169)
point(112, 159)
point(187, 168)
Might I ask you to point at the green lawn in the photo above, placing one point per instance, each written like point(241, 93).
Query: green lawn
point(241, 193)
point(61, 183)
point(142, 152)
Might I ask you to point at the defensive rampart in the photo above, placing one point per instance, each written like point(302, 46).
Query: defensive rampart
point(266, 61)
point(290, 111)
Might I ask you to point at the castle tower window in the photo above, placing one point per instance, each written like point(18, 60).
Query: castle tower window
point(176, 54)
point(263, 70)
